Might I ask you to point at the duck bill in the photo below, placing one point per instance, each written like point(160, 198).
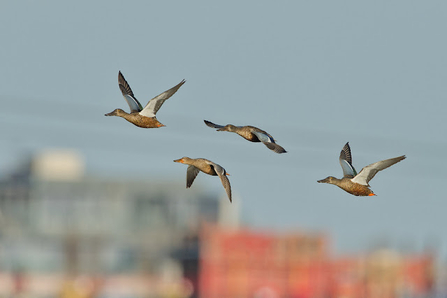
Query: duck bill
point(179, 160)
point(325, 180)
point(109, 114)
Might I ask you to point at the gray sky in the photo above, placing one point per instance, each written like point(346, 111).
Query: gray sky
point(314, 74)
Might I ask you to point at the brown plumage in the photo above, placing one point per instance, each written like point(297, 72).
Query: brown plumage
point(136, 119)
point(208, 167)
point(357, 184)
point(347, 185)
point(250, 133)
point(139, 116)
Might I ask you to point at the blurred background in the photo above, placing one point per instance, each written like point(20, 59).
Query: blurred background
point(92, 206)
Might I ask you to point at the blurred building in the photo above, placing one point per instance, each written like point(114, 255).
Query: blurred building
point(246, 264)
point(65, 234)
point(55, 219)
point(383, 273)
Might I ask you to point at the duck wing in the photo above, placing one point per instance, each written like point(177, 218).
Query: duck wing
point(191, 174)
point(275, 147)
point(155, 103)
point(346, 162)
point(220, 171)
point(368, 172)
point(133, 103)
point(211, 124)
point(268, 141)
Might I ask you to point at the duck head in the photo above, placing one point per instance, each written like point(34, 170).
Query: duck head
point(183, 160)
point(116, 112)
point(228, 127)
point(329, 180)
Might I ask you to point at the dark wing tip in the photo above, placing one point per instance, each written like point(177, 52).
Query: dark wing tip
point(275, 147)
point(400, 158)
point(124, 86)
point(280, 150)
point(208, 123)
point(179, 84)
point(120, 76)
point(345, 153)
point(211, 124)
point(174, 89)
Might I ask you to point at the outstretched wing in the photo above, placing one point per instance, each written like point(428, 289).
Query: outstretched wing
point(368, 172)
point(220, 171)
point(346, 162)
point(191, 174)
point(211, 124)
point(133, 103)
point(155, 103)
point(268, 141)
point(275, 147)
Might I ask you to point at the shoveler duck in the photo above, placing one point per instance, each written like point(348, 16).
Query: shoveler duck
point(208, 167)
point(139, 116)
point(250, 133)
point(357, 184)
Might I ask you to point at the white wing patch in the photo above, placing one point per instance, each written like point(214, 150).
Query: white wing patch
point(347, 168)
point(262, 137)
point(133, 103)
point(361, 177)
point(147, 112)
